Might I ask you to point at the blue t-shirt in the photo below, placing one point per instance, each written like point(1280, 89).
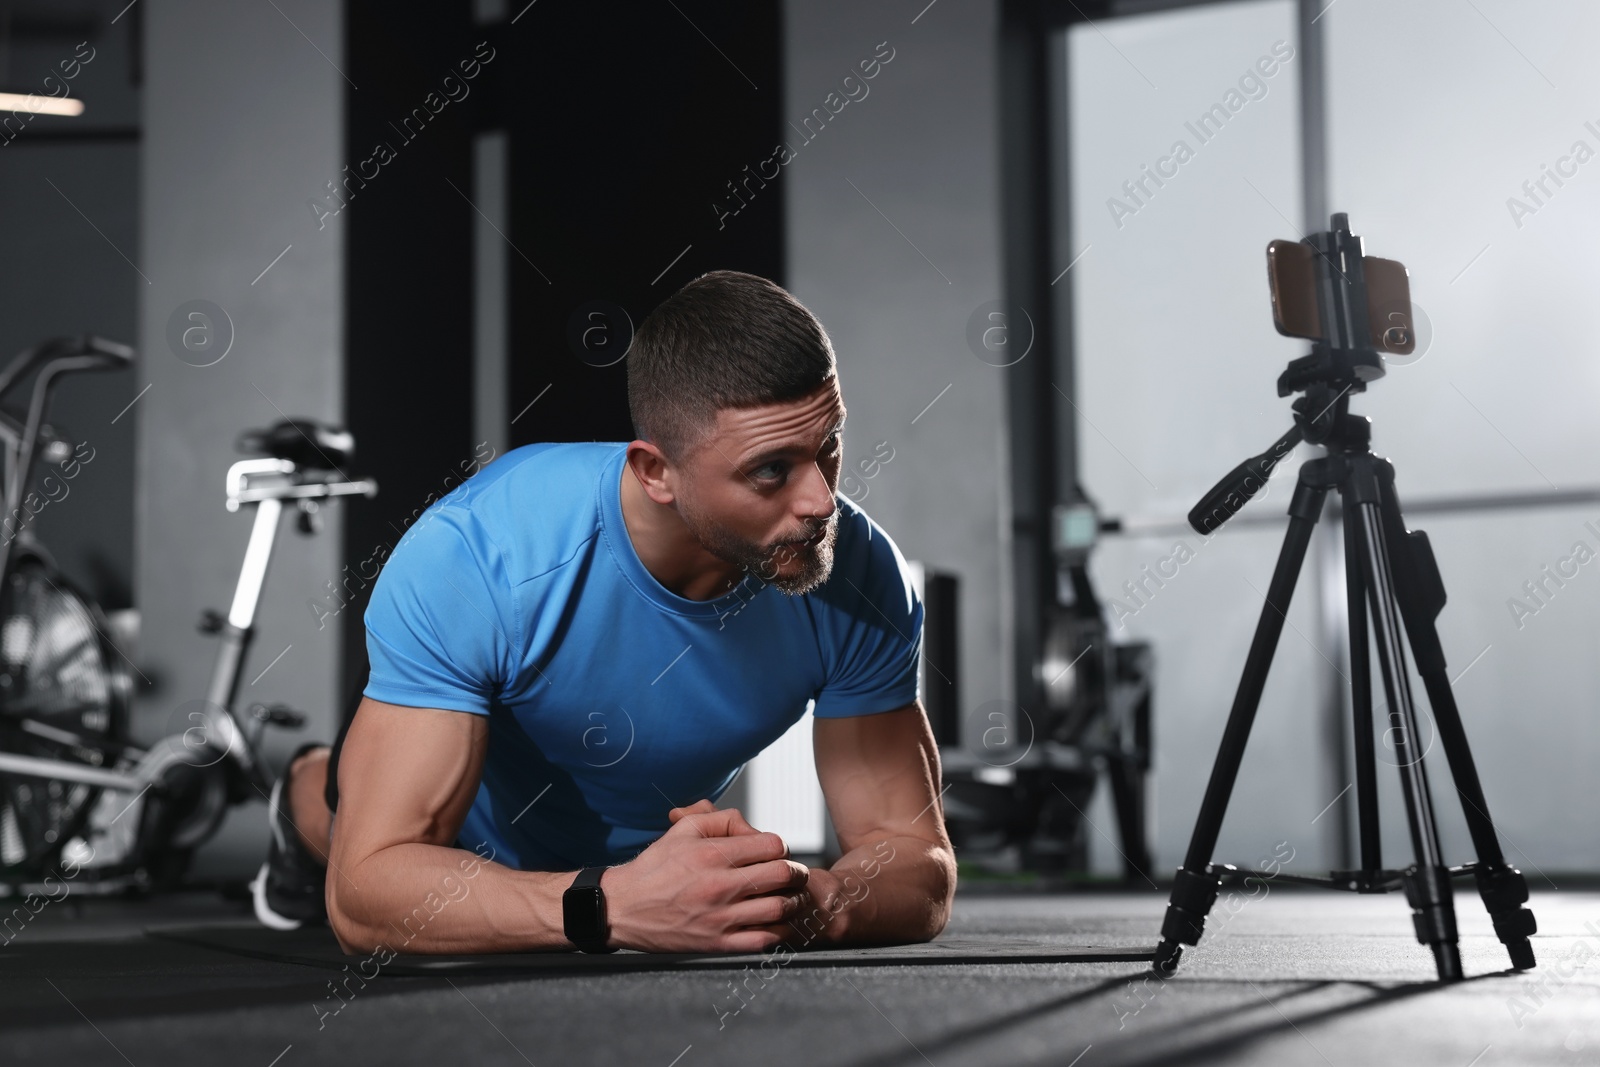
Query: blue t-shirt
point(610, 698)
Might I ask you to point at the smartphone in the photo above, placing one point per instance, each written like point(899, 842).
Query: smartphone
point(1389, 316)
point(1292, 278)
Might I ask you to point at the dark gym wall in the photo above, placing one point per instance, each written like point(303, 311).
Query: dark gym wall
point(70, 194)
point(408, 344)
point(618, 155)
point(619, 146)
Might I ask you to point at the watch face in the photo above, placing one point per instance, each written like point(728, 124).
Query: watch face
point(584, 914)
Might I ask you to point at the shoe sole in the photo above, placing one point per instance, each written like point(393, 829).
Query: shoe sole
point(264, 913)
point(274, 813)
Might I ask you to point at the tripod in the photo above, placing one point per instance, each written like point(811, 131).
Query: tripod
point(1392, 573)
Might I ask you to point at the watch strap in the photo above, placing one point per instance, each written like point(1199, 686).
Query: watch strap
point(588, 938)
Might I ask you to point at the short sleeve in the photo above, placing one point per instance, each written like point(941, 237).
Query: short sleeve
point(442, 623)
point(872, 628)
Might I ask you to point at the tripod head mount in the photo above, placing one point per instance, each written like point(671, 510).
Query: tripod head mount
point(1349, 305)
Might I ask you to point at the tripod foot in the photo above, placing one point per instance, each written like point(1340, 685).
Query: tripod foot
point(1521, 955)
point(1168, 953)
point(1505, 892)
point(1447, 957)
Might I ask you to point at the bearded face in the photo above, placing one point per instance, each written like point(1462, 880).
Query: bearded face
point(758, 492)
point(795, 564)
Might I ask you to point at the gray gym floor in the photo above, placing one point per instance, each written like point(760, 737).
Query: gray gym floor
point(1287, 977)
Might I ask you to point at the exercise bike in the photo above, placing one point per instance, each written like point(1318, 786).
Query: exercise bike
point(79, 800)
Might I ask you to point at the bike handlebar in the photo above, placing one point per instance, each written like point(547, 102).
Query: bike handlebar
point(88, 344)
point(112, 356)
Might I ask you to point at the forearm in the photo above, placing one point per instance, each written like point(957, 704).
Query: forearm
point(894, 890)
point(418, 898)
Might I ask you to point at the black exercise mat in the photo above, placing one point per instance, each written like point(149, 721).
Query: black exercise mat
point(316, 947)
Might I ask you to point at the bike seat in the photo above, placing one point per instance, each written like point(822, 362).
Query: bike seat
point(308, 444)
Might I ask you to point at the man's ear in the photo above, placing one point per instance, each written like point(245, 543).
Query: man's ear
point(650, 467)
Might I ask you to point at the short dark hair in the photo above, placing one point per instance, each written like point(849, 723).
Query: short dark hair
point(725, 340)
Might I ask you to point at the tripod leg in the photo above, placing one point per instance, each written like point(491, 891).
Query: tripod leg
point(1422, 596)
point(1361, 695)
point(1194, 888)
point(1428, 887)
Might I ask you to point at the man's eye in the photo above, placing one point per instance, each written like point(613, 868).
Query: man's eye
point(768, 472)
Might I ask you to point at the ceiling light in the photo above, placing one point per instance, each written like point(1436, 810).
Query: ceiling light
point(40, 105)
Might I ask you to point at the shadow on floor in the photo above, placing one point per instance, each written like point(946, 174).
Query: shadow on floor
point(63, 982)
point(1225, 1048)
point(1165, 1045)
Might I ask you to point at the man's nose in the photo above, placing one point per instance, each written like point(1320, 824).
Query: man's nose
point(816, 498)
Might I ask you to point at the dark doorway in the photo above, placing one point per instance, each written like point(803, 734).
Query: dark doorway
point(625, 137)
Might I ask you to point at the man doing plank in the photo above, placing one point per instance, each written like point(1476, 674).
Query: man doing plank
point(574, 653)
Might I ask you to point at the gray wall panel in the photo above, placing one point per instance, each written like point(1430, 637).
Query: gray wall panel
point(893, 215)
point(243, 125)
point(1438, 114)
point(1177, 360)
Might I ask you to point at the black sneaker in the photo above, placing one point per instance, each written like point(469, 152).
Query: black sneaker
point(287, 891)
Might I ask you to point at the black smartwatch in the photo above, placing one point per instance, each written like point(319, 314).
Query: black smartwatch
point(583, 912)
